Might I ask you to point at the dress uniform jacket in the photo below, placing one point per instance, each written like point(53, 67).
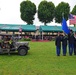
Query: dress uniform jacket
point(64, 40)
point(58, 41)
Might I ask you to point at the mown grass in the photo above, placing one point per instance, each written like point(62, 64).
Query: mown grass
point(41, 60)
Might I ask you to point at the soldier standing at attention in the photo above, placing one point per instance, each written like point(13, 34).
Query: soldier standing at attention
point(64, 44)
point(71, 42)
point(75, 43)
point(58, 44)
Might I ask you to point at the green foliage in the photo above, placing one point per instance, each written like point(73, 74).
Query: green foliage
point(28, 10)
point(61, 10)
point(46, 12)
point(41, 60)
point(74, 10)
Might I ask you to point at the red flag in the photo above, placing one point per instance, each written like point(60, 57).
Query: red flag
point(72, 19)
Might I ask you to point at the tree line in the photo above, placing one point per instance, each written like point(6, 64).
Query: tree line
point(46, 11)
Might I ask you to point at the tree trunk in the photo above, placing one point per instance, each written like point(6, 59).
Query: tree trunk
point(45, 23)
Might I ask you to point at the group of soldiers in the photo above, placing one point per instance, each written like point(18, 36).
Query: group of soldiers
point(66, 41)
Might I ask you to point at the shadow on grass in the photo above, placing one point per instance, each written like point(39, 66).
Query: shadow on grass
point(12, 54)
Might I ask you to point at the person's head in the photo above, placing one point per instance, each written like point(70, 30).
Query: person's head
point(58, 33)
point(5, 36)
point(71, 31)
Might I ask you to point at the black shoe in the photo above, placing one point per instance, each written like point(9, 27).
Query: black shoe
point(58, 55)
point(74, 54)
point(70, 55)
point(64, 55)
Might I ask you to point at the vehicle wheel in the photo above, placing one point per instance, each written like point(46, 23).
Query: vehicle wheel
point(22, 51)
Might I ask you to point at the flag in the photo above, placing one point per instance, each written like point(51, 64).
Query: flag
point(65, 27)
point(72, 19)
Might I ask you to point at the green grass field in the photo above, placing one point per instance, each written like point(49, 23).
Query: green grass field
point(41, 60)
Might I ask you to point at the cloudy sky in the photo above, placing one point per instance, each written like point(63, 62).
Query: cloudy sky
point(10, 10)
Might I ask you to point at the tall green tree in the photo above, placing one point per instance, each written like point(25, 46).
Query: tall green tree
point(46, 12)
point(28, 10)
point(74, 10)
point(62, 10)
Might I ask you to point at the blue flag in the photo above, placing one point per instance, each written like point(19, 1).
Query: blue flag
point(65, 27)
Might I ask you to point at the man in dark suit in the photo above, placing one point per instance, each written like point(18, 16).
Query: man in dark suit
point(64, 44)
point(75, 43)
point(58, 44)
point(71, 42)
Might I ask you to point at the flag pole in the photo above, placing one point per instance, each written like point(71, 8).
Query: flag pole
point(63, 15)
point(69, 20)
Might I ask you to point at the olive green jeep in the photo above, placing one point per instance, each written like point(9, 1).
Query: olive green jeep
point(12, 45)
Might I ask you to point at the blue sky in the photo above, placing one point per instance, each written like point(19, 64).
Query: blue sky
point(10, 10)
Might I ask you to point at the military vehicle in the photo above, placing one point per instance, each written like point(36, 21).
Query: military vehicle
point(12, 45)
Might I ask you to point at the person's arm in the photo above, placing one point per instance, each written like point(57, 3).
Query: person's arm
point(61, 37)
point(56, 41)
point(68, 36)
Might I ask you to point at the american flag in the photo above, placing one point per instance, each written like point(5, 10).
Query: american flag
point(72, 19)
